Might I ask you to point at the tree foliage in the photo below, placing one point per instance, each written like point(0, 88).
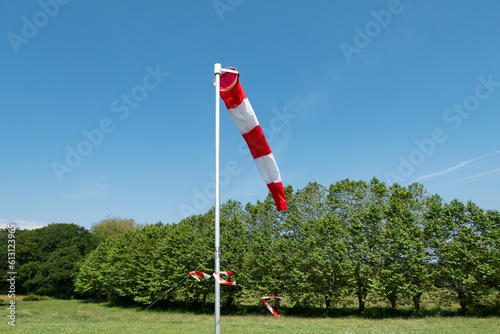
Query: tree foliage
point(112, 227)
point(48, 258)
point(355, 239)
point(467, 251)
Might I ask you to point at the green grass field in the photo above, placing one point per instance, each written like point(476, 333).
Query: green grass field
point(75, 316)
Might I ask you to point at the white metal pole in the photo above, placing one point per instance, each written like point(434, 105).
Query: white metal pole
point(217, 72)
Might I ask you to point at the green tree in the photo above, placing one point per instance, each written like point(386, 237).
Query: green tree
point(491, 235)
point(62, 248)
point(146, 262)
point(58, 235)
point(269, 255)
point(316, 252)
point(141, 265)
point(94, 276)
point(306, 208)
point(357, 205)
point(27, 259)
point(55, 276)
point(112, 227)
point(404, 271)
point(200, 257)
point(465, 253)
point(234, 241)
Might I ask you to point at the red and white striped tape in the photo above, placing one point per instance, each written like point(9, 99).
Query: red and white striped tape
point(242, 113)
point(223, 281)
point(197, 274)
point(269, 306)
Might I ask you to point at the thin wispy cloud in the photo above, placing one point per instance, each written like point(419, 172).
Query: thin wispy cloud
point(455, 167)
point(494, 171)
point(22, 223)
point(491, 172)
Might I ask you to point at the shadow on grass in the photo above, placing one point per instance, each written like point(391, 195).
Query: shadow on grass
point(207, 308)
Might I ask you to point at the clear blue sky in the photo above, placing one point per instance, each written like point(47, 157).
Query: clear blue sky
point(399, 90)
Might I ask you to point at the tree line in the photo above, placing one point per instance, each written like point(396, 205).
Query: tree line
point(357, 239)
point(48, 259)
point(354, 238)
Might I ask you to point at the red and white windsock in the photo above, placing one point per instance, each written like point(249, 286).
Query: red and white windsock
point(244, 117)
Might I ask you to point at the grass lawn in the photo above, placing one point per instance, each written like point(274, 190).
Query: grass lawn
point(75, 316)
